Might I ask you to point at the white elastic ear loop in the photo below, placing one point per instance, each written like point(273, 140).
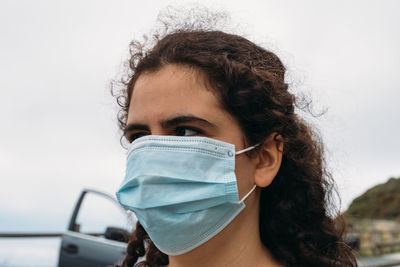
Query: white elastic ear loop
point(238, 153)
point(246, 149)
point(248, 194)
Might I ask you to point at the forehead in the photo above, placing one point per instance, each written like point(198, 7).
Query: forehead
point(171, 80)
point(173, 90)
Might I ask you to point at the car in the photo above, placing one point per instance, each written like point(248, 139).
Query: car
point(97, 233)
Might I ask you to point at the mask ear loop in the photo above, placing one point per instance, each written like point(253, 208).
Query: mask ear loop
point(254, 187)
point(246, 149)
point(248, 194)
point(238, 153)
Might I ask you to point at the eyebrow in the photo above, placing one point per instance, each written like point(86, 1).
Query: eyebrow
point(185, 119)
point(169, 123)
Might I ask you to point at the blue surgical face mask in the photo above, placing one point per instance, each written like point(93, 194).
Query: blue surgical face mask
point(183, 190)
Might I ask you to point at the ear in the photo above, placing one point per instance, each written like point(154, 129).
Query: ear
point(269, 160)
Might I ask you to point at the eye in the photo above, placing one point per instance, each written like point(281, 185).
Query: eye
point(134, 136)
point(186, 131)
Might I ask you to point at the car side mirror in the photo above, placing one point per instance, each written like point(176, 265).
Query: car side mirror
point(117, 234)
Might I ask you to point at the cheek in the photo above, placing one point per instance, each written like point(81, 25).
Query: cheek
point(244, 170)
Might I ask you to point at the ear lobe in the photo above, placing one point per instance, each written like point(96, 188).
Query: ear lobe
point(269, 160)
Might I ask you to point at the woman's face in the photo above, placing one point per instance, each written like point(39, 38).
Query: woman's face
point(176, 101)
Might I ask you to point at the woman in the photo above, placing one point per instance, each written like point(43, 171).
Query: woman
point(260, 198)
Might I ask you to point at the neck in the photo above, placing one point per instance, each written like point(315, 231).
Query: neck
point(237, 245)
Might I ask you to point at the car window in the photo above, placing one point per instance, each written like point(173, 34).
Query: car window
point(97, 213)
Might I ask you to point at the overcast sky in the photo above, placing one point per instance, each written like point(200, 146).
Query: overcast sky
point(58, 121)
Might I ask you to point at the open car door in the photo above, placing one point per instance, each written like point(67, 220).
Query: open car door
point(98, 232)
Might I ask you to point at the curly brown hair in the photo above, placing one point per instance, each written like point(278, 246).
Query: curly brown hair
point(295, 224)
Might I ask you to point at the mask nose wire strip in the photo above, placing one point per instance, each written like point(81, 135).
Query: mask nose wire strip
point(246, 149)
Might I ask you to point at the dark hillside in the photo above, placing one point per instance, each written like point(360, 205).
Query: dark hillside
point(380, 202)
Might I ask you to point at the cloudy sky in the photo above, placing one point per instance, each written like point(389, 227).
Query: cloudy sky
point(58, 120)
